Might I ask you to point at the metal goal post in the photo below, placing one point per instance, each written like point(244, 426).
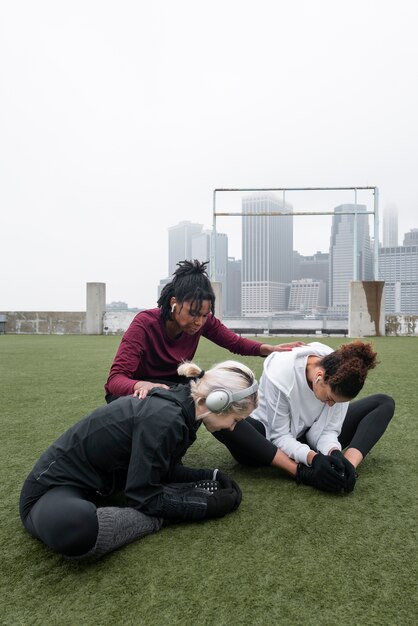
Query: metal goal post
point(284, 190)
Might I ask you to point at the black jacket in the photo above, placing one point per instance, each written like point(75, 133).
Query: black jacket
point(135, 446)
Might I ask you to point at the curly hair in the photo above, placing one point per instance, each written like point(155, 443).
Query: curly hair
point(346, 369)
point(191, 282)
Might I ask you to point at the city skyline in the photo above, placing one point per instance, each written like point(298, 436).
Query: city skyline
point(275, 278)
point(118, 121)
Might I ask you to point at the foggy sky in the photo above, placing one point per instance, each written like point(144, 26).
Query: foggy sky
point(119, 119)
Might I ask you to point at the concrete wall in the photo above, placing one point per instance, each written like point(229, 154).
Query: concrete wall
point(401, 325)
point(45, 323)
point(116, 322)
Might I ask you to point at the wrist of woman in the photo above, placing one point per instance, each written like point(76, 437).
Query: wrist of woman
point(310, 457)
point(265, 349)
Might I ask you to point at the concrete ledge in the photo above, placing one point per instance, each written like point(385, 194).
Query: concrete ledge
point(303, 332)
point(45, 323)
point(115, 323)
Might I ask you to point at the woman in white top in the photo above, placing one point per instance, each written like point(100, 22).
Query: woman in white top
point(305, 419)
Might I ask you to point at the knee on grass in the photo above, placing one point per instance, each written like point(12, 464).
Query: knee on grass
point(74, 531)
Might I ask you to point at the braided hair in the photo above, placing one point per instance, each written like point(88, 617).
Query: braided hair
point(346, 369)
point(190, 283)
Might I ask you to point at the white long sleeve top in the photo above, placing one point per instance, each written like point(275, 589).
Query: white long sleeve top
point(288, 408)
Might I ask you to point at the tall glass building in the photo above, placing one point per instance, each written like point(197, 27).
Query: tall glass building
point(201, 248)
point(267, 251)
point(341, 254)
point(390, 226)
point(180, 239)
point(398, 267)
point(233, 291)
point(307, 295)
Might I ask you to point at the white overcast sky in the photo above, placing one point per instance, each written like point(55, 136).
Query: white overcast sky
point(119, 119)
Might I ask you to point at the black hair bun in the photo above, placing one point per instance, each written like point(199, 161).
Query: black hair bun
point(186, 268)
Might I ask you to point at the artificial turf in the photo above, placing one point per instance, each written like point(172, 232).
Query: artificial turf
point(289, 555)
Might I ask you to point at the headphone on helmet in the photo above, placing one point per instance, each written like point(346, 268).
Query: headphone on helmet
point(220, 400)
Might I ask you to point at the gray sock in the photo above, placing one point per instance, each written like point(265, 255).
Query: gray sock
point(117, 527)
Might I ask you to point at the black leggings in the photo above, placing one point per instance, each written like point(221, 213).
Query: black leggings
point(64, 518)
point(364, 424)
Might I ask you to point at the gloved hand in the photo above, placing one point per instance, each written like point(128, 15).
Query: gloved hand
point(348, 469)
point(328, 474)
point(322, 474)
point(222, 502)
point(227, 482)
point(223, 478)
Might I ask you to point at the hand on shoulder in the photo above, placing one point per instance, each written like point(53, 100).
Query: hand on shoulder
point(267, 349)
point(142, 388)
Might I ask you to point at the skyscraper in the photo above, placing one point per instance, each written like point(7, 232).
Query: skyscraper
point(180, 243)
point(233, 291)
point(341, 253)
point(201, 248)
point(398, 267)
point(267, 250)
point(411, 238)
point(187, 240)
point(315, 266)
point(390, 225)
point(307, 294)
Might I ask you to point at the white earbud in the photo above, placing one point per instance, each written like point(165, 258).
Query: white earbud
point(318, 379)
point(173, 307)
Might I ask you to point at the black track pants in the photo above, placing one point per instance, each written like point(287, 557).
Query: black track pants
point(364, 424)
point(63, 518)
point(366, 421)
point(247, 443)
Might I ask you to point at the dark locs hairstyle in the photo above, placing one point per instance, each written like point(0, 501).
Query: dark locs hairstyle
point(346, 368)
point(190, 283)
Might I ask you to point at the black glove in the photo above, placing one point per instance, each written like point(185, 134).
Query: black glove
point(222, 502)
point(223, 478)
point(323, 474)
point(348, 469)
point(329, 474)
point(227, 482)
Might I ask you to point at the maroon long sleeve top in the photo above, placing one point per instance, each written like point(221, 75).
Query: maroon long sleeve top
point(147, 353)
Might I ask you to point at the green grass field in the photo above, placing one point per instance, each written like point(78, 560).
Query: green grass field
point(290, 555)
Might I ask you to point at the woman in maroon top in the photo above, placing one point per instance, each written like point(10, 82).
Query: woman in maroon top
point(157, 340)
